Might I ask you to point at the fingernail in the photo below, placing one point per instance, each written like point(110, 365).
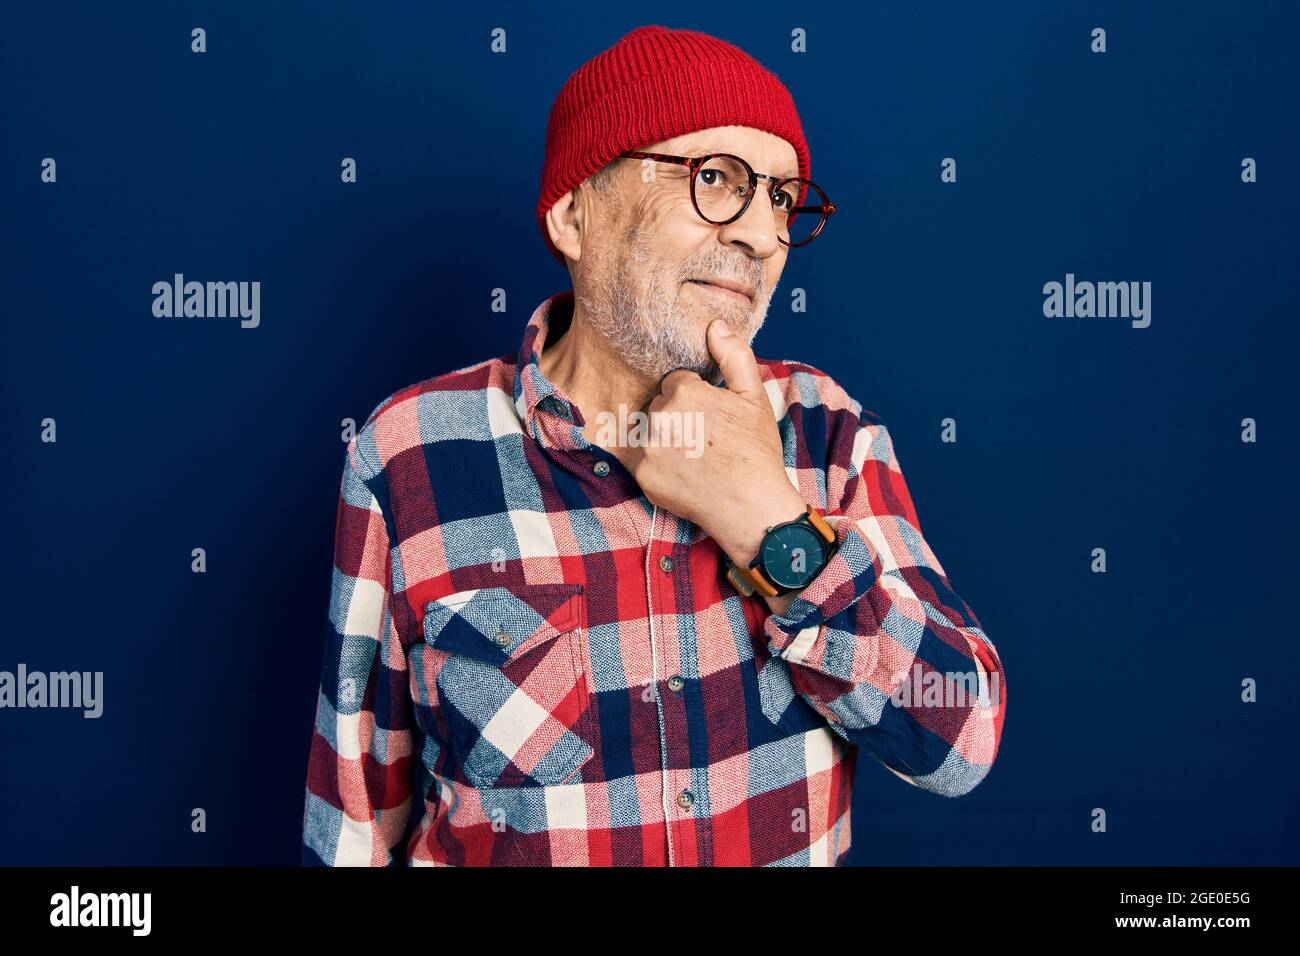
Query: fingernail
point(724, 330)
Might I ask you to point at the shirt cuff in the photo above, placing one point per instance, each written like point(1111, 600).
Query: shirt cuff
point(827, 621)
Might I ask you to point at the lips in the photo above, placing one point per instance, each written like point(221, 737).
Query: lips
point(730, 285)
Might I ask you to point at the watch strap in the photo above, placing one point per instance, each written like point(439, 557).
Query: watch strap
point(750, 580)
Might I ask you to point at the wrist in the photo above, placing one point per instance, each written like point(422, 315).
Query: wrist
point(781, 603)
point(742, 545)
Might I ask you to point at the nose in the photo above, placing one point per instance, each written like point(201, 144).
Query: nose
point(755, 230)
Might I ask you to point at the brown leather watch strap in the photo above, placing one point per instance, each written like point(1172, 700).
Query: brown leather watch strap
point(820, 525)
point(754, 579)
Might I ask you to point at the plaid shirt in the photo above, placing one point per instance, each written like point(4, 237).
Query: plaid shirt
point(529, 663)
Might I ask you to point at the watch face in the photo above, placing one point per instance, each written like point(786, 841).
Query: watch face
point(792, 555)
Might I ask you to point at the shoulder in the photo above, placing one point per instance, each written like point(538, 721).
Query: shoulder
point(790, 383)
point(460, 404)
point(836, 430)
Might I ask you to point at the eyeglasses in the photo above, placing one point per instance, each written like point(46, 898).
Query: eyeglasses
point(723, 185)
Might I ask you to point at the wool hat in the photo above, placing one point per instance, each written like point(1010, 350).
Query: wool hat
point(654, 84)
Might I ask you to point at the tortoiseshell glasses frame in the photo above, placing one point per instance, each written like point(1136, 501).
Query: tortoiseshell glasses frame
point(824, 209)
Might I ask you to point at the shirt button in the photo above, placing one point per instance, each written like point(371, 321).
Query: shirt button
point(686, 799)
point(676, 682)
point(601, 468)
point(502, 638)
point(666, 563)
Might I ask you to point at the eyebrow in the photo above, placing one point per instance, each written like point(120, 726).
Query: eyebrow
point(714, 148)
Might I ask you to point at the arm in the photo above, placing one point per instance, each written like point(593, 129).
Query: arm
point(359, 799)
point(879, 643)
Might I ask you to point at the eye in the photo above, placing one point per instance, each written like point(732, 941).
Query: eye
point(717, 178)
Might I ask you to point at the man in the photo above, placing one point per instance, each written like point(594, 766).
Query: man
point(560, 642)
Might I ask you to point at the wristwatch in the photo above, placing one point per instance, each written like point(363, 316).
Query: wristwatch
point(789, 556)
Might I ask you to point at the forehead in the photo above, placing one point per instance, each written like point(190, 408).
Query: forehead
point(764, 151)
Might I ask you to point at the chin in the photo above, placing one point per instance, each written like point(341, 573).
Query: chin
point(703, 366)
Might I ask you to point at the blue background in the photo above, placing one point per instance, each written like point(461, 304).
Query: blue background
point(925, 301)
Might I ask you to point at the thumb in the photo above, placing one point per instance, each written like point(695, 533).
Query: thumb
point(736, 360)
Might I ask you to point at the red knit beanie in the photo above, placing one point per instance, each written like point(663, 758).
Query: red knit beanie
point(653, 85)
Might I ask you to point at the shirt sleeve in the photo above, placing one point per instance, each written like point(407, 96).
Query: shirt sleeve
point(879, 643)
point(359, 795)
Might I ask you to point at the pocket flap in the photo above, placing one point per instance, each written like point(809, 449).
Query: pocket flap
point(498, 624)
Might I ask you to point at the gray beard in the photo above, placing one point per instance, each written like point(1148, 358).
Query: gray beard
point(650, 333)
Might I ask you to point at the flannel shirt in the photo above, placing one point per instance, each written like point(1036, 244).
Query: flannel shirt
point(530, 664)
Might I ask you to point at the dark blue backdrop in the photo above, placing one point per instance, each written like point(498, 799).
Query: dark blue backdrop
point(925, 301)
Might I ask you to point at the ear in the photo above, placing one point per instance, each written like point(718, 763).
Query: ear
point(564, 224)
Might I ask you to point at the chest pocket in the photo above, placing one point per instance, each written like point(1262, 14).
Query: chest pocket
point(512, 680)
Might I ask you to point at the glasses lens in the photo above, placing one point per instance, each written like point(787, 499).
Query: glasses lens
point(799, 206)
point(721, 185)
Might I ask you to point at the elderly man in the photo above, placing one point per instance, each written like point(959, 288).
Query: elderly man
point(560, 643)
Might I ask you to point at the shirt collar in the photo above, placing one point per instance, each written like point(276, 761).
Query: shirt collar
point(547, 414)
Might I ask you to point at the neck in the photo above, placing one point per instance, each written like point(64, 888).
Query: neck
point(581, 364)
